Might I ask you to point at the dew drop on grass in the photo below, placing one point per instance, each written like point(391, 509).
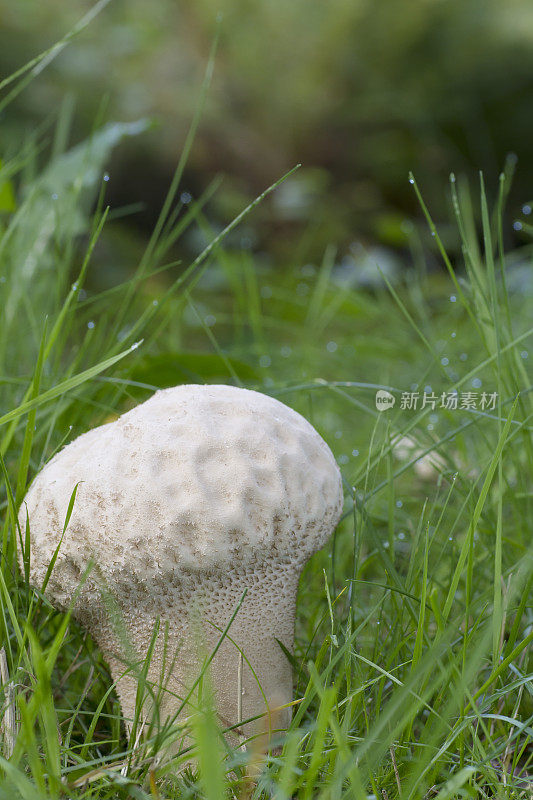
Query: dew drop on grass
point(453, 298)
point(90, 325)
point(338, 434)
point(433, 418)
point(286, 351)
point(454, 335)
point(411, 180)
point(399, 504)
point(343, 459)
point(429, 426)
point(452, 177)
point(444, 361)
point(463, 356)
point(155, 302)
point(355, 453)
point(428, 389)
point(185, 198)
point(517, 225)
point(401, 536)
point(526, 209)
point(265, 361)
point(331, 347)
point(210, 320)
point(386, 545)
point(3, 278)
point(106, 177)
point(524, 354)
point(54, 196)
point(476, 383)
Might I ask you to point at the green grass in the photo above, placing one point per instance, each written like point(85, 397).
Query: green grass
point(413, 642)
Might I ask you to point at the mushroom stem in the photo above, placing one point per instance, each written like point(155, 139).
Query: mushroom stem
point(262, 674)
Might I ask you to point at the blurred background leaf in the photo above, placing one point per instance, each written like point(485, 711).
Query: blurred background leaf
point(7, 195)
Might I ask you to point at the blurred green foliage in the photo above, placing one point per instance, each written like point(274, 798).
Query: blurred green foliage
point(360, 92)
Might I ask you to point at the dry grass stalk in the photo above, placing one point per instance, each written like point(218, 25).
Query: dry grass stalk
point(8, 724)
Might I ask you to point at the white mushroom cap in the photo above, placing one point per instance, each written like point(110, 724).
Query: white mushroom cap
point(196, 478)
point(199, 483)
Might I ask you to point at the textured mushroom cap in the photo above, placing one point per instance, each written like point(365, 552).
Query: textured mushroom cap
point(196, 479)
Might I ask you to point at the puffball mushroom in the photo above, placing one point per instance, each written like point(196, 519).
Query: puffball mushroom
point(183, 503)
